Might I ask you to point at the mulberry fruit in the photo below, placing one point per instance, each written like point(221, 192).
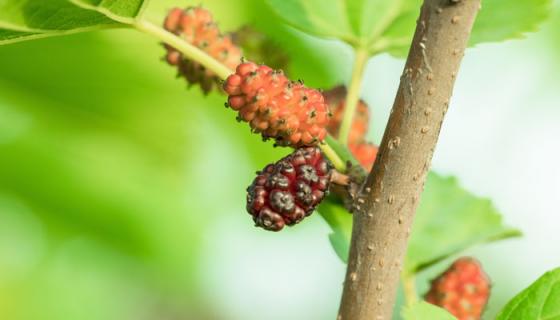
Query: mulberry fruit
point(336, 100)
point(287, 191)
point(195, 25)
point(365, 153)
point(276, 107)
point(463, 289)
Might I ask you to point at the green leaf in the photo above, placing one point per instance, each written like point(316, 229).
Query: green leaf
point(317, 17)
point(388, 25)
point(28, 19)
point(450, 219)
point(424, 311)
point(12, 35)
point(340, 221)
point(541, 300)
point(501, 20)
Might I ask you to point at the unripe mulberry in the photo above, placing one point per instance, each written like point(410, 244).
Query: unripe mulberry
point(336, 100)
point(195, 25)
point(287, 191)
point(276, 107)
point(463, 289)
point(365, 153)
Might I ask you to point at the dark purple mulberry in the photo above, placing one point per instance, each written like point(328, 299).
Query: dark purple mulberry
point(286, 192)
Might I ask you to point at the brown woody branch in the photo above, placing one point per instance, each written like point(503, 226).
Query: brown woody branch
point(385, 208)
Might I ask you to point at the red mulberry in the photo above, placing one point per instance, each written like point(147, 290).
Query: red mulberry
point(363, 151)
point(463, 289)
point(276, 107)
point(287, 191)
point(336, 100)
point(196, 26)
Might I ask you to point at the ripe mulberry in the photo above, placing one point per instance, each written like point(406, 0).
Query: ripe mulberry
point(336, 100)
point(287, 191)
point(195, 25)
point(276, 107)
point(463, 289)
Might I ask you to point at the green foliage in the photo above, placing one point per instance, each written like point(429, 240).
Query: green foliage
point(541, 300)
point(29, 19)
point(449, 220)
point(502, 20)
point(340, 221)
point(316, 17)
point(388, 26)
point(424, 311)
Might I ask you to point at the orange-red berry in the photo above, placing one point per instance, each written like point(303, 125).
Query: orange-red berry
point(365, 153)
point(276, 107)
point(463, 289)
point(196, 26)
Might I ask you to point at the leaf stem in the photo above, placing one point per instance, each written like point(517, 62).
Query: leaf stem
point(409, 289)
point(190, 51)
point(353, 94)
point(337, 162)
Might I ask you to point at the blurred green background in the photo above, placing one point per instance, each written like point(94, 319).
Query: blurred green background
point(122, 192)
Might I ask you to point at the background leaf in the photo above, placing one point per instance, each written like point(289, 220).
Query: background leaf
point(388, 26)
point(449, 219)
point(424, 311)
point(541, 300)
point(501, 20)
point(317, 17)
point(28, 19)
point(340, 221)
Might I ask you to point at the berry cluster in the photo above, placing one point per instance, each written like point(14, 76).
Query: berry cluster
point(362, 150)
point(276, 107)
point(287, 191)
point(463, 289)
point(197, 27)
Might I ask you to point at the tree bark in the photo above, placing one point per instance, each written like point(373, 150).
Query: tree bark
point(385, 207)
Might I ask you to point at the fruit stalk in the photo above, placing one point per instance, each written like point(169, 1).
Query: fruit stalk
point(387, 202)
point(353, 96)
point(187, 49)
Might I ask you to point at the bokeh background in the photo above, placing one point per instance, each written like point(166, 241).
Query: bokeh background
point(122, 192)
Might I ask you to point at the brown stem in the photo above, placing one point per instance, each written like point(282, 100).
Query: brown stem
point(340, 178)
point(385, 207)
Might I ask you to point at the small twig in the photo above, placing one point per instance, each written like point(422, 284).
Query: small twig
point(340, 178)
point(190, 51)
point(333, 156)
point(393, 188)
